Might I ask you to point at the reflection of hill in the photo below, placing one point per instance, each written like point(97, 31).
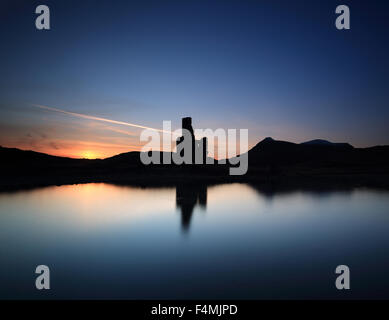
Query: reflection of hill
point(270, 161)
point(187, 197)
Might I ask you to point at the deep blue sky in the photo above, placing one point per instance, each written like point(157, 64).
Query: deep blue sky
point(278, 68)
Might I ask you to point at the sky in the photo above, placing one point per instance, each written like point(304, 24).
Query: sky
point(277, 68)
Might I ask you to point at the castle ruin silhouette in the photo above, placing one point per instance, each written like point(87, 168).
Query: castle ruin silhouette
point(199, 147)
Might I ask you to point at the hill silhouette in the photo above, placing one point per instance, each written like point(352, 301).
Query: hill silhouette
point(321, 142)
point(270, 161)
point(317, 153)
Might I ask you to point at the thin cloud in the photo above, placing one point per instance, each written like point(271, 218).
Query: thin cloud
point(89, 117)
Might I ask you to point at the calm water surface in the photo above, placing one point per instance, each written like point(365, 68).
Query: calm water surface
point(226, 241)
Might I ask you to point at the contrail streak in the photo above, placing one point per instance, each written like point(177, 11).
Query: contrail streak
point(85, 116)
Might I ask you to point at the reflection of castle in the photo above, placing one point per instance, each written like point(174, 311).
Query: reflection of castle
point(187, 197)
point(199, 147)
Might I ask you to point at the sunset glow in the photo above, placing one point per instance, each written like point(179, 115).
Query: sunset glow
point(89, 155)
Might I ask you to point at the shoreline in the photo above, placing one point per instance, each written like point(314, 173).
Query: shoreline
point(152, 180)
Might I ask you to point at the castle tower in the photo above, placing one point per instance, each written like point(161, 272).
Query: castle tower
point(187, 124)
point(198, 146)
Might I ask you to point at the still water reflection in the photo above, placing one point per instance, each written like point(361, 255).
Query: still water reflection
point(224, 241)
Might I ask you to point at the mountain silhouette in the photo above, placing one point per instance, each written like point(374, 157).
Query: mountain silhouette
point(270, 161)
point(321, 142)
point(276, 152)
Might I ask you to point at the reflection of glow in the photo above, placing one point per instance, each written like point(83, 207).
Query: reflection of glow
point(230, 199)
point(232, 195)
point(96, 205)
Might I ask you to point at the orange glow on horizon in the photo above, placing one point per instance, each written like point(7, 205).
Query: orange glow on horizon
point(89, 155)
point(77, 149)
point(91, 151)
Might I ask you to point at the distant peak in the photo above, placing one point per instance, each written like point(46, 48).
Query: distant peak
point(322, 142)
point(317, 141)
point(268, 139)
